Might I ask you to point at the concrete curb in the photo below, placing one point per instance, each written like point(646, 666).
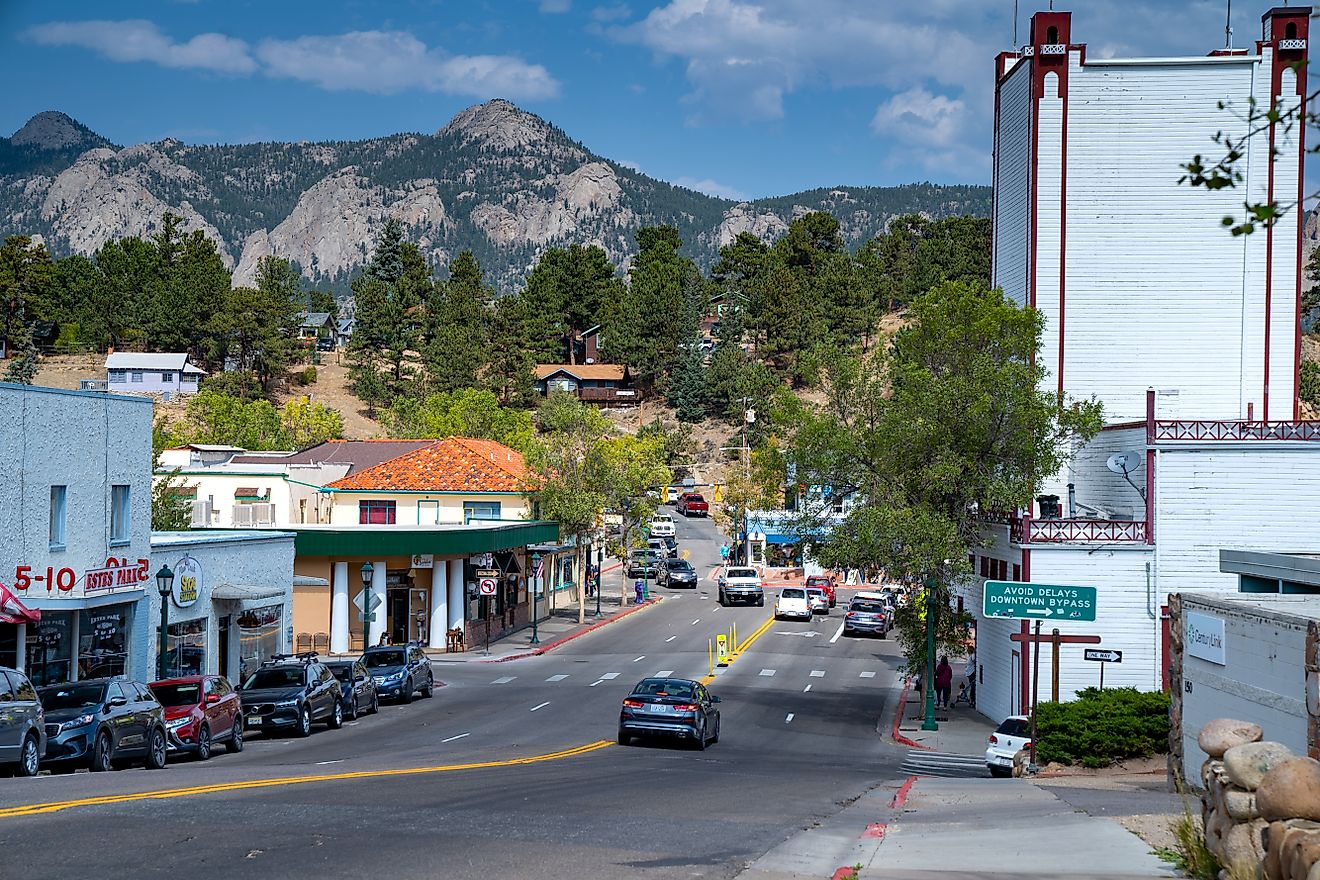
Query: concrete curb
point(898, 718)
point(550, 646)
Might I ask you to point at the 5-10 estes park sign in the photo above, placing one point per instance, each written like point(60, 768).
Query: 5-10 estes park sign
point(1038, 601)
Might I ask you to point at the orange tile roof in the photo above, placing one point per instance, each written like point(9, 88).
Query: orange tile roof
point(455, 464)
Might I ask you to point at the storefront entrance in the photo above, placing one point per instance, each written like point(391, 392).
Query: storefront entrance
point(90, 643)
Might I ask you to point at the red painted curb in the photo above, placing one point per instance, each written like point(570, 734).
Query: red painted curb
point(898, 717)
point(847, 872)
point(900, 796)
point(875, 831)
point(550, 646)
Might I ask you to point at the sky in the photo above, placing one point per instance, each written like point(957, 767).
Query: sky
point(737, 98)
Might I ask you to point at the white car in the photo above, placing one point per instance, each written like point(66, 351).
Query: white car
point(1009, 738)
point(741, 583)
point(661, 526)
point(819, 602)
point(793, 603)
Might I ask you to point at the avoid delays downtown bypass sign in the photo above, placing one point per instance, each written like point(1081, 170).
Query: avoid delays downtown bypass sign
point(1038, 601)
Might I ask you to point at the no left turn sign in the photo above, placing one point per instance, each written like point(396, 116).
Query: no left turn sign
point(487, 586)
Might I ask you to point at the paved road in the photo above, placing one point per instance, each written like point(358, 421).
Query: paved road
point(799, 741)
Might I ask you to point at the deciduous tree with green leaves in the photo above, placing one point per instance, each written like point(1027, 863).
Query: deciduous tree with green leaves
point(627, 467)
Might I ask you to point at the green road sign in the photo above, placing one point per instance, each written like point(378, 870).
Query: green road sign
point(1038, 601)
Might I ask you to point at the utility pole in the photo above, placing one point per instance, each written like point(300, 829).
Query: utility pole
point(930, 723)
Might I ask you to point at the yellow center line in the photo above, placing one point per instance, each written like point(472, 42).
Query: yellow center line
point(165, 794)
point(746, 645)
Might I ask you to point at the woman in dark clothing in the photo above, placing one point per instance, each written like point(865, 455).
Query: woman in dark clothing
point(943, 682)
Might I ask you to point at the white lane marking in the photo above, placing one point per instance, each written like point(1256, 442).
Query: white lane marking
point(596, 682)
point(788, 717)
point(323, 763)
point(670, 639)
point(664, 673)
point(541, 706)
point(866, 675)
point(609, 676)
point(836, 635)
point(818, 673)
point(697, 621)
point(806, 689)
point(643, 657)
point(452, 738)
point(559, 677)
point(504, 679)
point(767, 672)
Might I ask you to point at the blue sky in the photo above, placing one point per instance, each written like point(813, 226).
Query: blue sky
point(741, 98)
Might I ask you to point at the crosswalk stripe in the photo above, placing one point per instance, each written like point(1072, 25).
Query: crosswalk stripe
point(664, 673)
point(767, 672)
point(560, 677)
point(610, 676)
point(945, 764)
point(818, 673)
point(867, 675)
point(504, 679)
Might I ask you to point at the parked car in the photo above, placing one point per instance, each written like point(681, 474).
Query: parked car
point(643, 563)
point(692, 504)
point(816, 598)
point(102, 722)
point(357, 687)
point(200, 710)
point(741, 583)
point(867, 614)
point(325, 343)
point(1009, 738)
point(661, 526)
point(292, 690)
point(22, 725)
point(676, 573)
point(665, 548)
point(793, 603)
point(670, 707)
point(826, 583)
point(400, 671)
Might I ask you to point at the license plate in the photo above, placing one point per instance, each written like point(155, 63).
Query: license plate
point(660, 708)
point(254, 719)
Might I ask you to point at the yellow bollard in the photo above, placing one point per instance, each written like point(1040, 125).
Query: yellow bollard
point(710, 652)
point(735, 638)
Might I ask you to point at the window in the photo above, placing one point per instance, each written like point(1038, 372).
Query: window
point(187, 647)
point(481, 510)
point(167, 377)
point(103, 641)
point(119, 514)
point(118, 375)
point(374, 512)
point(58, 508)
point(137, 376)
point(6, 690)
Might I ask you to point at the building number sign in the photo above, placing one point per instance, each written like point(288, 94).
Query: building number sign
point(117, 573)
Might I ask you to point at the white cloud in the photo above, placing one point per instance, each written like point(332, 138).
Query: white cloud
point(555, 6)
point(712, 188)
point(137, 40)
point(617, 12)
point(931, 128)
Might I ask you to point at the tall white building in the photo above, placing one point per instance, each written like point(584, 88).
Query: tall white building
point(1188, 335)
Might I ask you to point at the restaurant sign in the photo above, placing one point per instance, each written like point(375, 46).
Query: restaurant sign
point(117, 574)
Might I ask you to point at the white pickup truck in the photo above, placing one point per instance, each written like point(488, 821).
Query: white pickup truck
point(741, 583)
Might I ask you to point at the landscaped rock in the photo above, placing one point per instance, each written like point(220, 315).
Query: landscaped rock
point(1242, 844)
point(1220, 735)
point(1291, 790)
point(1247, 764)
point(1273, 848)
point(1240, 805)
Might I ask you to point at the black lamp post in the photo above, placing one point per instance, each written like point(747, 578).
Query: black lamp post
point(600, 556)
point(536, 588)
point(164, 586)
point(928, 722)
point(367, 613)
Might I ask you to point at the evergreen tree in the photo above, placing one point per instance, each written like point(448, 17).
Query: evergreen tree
point(387, 259)
point(511, 369)
point(22, 369)
point(459, 352)
point(687, 385)
point(653, 317)
point(27, 278)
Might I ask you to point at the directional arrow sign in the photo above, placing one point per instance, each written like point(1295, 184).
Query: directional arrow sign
point(1038, 601)
point(1103, 656)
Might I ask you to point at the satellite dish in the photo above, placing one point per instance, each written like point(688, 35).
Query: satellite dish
point(1124, 462)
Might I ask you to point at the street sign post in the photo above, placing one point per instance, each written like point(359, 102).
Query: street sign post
point(1103, 657)
point(1038, 602)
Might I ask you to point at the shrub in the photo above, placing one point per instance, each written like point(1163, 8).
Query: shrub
point(1309, 387)
point(1103, 726)
point(68, 340)
point(307, 376)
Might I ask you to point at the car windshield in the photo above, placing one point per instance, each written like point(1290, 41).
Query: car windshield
point(381, 659)
point(867, 607)
point(741, 573)
point(182, 694)
point(664, 688)
point(817, 580)
point(71, 696)
point(792, 593)
point(680, 565)
point(1015, 727)
point(275, 677)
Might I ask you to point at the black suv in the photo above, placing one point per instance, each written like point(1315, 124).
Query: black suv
point(676, 573)
point(102, 723)
point(399, 670)
point(292, 690)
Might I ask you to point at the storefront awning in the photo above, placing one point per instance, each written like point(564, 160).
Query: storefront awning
point(245, 591)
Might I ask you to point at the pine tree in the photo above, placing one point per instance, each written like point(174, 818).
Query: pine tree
point(687, 385)
point(459, 352)
point(387, 259)
point(22, 370)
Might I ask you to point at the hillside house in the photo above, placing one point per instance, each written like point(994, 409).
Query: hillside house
point(151, 373)
point(315, 325)
point(594, 383)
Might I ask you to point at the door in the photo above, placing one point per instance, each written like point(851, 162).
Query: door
point(223, 647)
point(1013, 689)
point(11, 719)
point(124, 723)
point(399, 617)
point(428, 513)
point(217, 715)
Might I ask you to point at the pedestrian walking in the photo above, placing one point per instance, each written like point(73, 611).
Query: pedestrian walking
point(943, 682)
point(970, 671)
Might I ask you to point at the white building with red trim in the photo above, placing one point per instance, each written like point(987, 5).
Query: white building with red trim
point(1188, 335)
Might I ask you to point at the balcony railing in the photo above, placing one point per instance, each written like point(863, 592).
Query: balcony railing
point(1077, 531)
point(250, 515)
point(1184, 430)
point(608, 395)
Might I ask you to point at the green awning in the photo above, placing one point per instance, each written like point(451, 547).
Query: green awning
point(457, 540)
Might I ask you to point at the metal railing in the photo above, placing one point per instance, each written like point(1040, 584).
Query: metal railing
point(1163, 430)
point(1077, 531)
point(250, 515)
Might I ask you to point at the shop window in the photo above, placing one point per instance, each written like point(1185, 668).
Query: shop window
point(259, 637)
point(50, 648)
point(137, 376)
point(187, 647)
point(376, 512)
point(102, 642)
point(167, 378)
point(1017, 572)
point(119, 514)
point(58, 509)
point(481, 510)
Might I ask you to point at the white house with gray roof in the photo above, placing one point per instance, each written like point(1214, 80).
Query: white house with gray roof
point(136, 372)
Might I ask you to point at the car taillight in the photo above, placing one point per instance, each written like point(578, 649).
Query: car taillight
point(1027, 744)
point(633, 704)
point(686, 707)
point(994, 740)
point(852, 613)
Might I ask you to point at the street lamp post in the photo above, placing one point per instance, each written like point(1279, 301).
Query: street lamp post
point(600, 563)
point(929, 723)
point(367, 613)
point(164, 586)
point(536, 588)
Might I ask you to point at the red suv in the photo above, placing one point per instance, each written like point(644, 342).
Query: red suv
point(825, 582)
point(692, 504)
point(200, 710)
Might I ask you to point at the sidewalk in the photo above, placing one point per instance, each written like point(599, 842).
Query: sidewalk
point(963, 730)
point(562, 626)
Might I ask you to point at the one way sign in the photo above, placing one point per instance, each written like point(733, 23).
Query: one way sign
point(1103, 656)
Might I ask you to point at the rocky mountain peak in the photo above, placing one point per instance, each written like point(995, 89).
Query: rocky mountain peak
point(498, 124)
point(52, 130)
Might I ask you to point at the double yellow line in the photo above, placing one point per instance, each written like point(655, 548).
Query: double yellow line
point(746, 645)
point(166, 794)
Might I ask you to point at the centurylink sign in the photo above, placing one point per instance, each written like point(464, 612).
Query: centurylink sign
point(1038, 601)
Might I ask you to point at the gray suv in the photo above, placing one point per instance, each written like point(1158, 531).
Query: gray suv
point(22, 725)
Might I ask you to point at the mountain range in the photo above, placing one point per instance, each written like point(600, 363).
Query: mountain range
point(496, 180)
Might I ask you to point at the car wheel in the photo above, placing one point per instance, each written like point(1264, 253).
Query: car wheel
point(406, 692)
point(235, 743)
point(354, 713)
point(999, 772)
point(29, 759)
point(156, 750)
point(760, 602)
point(701, 738)
point(336, 719)
point(203, 743)
point(102, 754)
point(375, 703)
point(304, 727)
point(429, 690)
point(716, 738)
point(624, 739)
point(884, 633)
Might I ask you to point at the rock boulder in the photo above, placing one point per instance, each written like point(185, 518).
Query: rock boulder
point(1220, 735)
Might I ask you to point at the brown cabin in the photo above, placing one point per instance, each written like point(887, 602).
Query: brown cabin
point(594, 383)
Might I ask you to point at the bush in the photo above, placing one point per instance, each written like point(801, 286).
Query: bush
point(1309, 387)
point(68, 340)
point(307, 376)
point(1103, 726)
point(234, 383)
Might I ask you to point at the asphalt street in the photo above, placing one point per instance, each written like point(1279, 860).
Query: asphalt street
point(395, 795)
